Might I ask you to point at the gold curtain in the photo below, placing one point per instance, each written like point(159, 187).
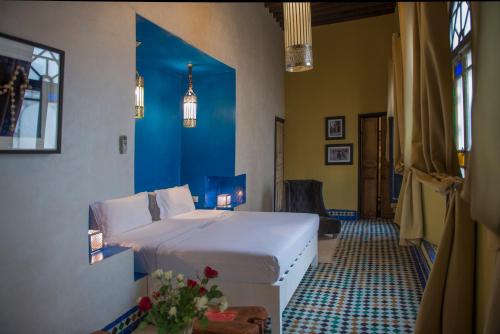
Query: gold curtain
point(430, 159)
point(483, 172)
point(484, 164)
point(428, 104)
point(492, 325)
point(397, 104)
point(448, 302)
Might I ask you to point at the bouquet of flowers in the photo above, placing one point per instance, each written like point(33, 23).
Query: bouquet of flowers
point(178, 302)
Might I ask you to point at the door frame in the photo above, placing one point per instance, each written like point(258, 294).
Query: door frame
point(276, 121)
point(360, 118)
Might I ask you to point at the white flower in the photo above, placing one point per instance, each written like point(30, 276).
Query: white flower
point(180, 278)
point(158, 274)
point(201, 302)
point(168, 275)
point(172, 311)
point(223, 306)
point(181, 285)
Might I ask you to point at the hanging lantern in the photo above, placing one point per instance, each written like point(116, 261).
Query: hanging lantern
point(298, 36)
point(190, 101)
point(139, 96)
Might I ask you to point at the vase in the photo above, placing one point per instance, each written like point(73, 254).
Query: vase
point(150, 329)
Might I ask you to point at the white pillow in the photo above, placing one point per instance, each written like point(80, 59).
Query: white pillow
point(120, 215)
point(174, 201)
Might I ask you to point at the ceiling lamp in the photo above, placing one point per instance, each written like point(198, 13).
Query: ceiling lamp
point(190, 102)
point(298, 36)
point(139, 96)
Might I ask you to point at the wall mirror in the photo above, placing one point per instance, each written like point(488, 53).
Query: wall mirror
point(31, 94)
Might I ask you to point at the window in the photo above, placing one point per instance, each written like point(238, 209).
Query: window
point(460, 28)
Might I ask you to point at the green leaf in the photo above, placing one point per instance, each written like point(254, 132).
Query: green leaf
point(203, 322)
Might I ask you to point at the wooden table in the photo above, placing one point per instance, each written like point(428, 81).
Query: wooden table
point(249, 320)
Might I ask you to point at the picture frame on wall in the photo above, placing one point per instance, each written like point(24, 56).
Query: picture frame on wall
point(31, 96)
point(335, 127)
point(338, 154)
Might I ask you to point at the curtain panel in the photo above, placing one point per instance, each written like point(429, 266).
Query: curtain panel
point(397, 104)
point(430, 159)
point(428, 105)
point(483, 172)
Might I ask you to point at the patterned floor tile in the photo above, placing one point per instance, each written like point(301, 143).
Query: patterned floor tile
point(372, 286)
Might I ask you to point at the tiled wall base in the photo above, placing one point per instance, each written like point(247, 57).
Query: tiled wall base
point(343, 214)
point(126, 323)
point(429, 251)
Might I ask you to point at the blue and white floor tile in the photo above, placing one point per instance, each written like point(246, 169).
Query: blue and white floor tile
point(371, 286)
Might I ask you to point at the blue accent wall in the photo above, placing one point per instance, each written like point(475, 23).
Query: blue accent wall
point(209, 148)
point(166, 154)
point(157, 135)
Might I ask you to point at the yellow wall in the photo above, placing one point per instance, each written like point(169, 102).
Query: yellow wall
point(349, 78)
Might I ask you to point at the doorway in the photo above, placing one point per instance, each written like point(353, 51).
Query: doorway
point(374, 195)
point(279, 160)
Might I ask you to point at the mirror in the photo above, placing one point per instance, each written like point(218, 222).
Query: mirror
point(31, 93)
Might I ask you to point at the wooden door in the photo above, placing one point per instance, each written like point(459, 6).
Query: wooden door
point(374, 168)
point(368, 167)
point(279, 155)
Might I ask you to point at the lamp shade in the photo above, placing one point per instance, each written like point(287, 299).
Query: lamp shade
point(298, 36)
point(139, 96)
point(95, 240)
point(190, 102)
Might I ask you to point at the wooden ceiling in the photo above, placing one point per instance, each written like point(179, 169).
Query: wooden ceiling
point(333, 12)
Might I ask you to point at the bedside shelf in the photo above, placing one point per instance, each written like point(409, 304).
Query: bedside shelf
point(227, 208)
point(105, 253)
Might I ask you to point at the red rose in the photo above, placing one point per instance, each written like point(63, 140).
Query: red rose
point(156, 294)
point(210, 273)
point(202, 291)
point(145, 304)
point(191, 283)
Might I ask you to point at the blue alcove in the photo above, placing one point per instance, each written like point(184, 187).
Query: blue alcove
point(166, 153)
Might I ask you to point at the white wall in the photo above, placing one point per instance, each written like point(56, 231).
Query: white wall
point(47, 285)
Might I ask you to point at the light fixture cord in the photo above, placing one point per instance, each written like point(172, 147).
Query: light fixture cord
point(190, 76)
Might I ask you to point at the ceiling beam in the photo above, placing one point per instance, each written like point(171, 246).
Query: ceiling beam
point(334, 12)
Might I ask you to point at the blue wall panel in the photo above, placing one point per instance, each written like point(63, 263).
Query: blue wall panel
point(157, 135)
point(209, 148)
point(166, 154)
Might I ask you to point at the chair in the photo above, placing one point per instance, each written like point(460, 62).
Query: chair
point(307, 196)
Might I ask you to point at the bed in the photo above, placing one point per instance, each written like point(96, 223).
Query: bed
point(261, 257)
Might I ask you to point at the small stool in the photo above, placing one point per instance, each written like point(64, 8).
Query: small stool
point(249, 320)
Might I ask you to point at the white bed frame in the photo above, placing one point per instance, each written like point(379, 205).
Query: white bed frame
point(274, 297)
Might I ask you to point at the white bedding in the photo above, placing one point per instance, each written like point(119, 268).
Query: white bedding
point(249, 247)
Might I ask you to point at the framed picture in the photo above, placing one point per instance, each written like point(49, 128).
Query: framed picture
point(31, 94)
point(338, 154)
point(335, 127)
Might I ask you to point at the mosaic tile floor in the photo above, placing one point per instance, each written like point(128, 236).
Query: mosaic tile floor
point(372, 285)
